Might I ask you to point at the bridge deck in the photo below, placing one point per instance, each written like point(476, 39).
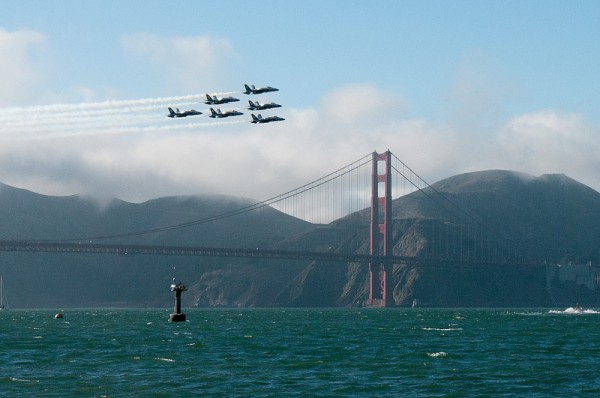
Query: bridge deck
point(124, 250)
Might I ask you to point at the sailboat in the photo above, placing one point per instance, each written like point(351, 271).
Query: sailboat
point(3, 307)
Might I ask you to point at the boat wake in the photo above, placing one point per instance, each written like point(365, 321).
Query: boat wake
point(574, 311)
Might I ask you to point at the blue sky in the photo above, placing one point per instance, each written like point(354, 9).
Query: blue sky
point(546, 50)
point(449, 86)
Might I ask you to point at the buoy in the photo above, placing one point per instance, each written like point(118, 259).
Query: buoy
point(177, 315)
point(58, 316)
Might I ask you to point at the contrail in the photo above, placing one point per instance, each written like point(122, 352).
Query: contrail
point(110, 127)
point(95, 108)
point(122, 130)
point(107, 117)
point(225, 93)
point(92, 120)
point(88, 118)
point(103, 105)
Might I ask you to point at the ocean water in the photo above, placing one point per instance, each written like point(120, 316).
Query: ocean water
point(300, 352)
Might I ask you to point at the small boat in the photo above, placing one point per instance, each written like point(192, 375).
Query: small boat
point(577, 309)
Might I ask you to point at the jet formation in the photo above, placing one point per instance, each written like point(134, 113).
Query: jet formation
point(214, 100)
point(177, 113)
point(260, 119)
point(220, 114)
point(257, 106)
point(253, 106)
point(250, 89)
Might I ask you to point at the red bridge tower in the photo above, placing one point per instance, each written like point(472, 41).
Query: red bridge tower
point(380, 291)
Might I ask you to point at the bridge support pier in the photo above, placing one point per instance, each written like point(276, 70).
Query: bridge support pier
point(380, 290)
point(177, 316)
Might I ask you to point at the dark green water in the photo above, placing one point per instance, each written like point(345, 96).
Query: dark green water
point(337, 352)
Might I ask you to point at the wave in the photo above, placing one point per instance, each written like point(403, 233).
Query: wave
point(164, 359)
point(440, 354)
point(24, 380)
point(442, 329)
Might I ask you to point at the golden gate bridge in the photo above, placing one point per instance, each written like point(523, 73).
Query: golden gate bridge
point(363, 190)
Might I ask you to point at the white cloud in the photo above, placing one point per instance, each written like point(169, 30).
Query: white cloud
point(153, 156)
point(552, 142)
point(479, 91)
point(18, 70)
point(188, 62)
point(361, 104)
point(145, 161)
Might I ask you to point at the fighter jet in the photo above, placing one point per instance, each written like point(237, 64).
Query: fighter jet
point(214, 100)
point(260, 119)
point(176, 113)
point(257, 106)
point(220, 114)
point(253, 90)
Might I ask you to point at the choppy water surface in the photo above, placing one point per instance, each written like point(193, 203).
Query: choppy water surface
point(297, 352)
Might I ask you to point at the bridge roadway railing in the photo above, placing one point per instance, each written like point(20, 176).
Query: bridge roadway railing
point(127, 249)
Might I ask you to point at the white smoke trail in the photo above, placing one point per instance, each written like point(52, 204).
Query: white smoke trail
point(108, 117)
point(226, 93)
point(103, 105)
point(78, 119)
point(109, 106)
point(55, 134)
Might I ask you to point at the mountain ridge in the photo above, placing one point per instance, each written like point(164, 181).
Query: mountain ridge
point(555, 217)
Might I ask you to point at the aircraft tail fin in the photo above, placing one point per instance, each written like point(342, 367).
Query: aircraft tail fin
point(171, 112)
point(213, 113)
point(254, 118)
point(208, 97)
point(248, 89)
